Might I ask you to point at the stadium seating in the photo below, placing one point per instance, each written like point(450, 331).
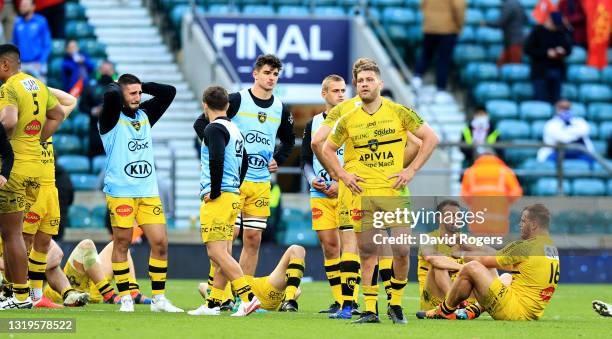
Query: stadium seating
point(513, 129)
point(548, 187)
point(85, 182)
point(600, 112)
point(74, 163)
point(502, 109)
point(490, 91)
point(582, 74)
point(515, 72)
point(588, 187)
point(79, 216)
point(535, 110)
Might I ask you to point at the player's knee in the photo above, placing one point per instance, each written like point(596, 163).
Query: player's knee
point(252, 239)
point(331, 248)
point(297, 251)
point(159, 246)
point(87, 244)
point(471, 268)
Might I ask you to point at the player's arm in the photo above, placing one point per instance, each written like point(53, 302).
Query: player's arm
point(111, 108)
point(199, 126)
point(330, 147)
point(318, 140)
point(244, 167)
point(67, 102)
point(307, 164)
point(162, 98)
point(9, 113)
point(216, 138)
point(439, 260)
point(6, 152)
point(286, 136)
point(54, 117)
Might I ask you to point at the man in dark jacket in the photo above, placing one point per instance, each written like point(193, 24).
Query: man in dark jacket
point(511, 21)
point(548, 45)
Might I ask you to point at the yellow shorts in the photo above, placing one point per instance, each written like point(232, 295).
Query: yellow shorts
point(19, 193)
point(324, 213)
point(79, 281)
point(270, 297)
point(345, 200)
point(502, 303)
point(255, 198)
point(123, 211)
point(44, 215)
point(375, 200)
point(217, 217)
point(428, 300)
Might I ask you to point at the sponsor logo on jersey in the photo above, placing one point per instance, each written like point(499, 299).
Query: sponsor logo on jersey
point(316, 213)
point(356, 214)
point(239, 146)
point(323, 174)
point(138, 145)
point(138, 169)
point(124, 210)
point(263, 202)
point(32, 128)
point(257, 161)
point(383, 132)
point(262, 116)
point(547, 293)
point(157, 210)
point(371, 124)
point(30, 85)
point(32, 218)
point(257, 137)
point(376, 156)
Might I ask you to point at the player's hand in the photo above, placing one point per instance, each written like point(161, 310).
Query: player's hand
point(2, 181)
point(403, 177)
point(352, 181)
point(273, 166)
point(207, 197)
point(318, 183)
point(332, 191)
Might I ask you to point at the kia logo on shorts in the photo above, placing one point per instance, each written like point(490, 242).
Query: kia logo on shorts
point(138, 169)
point(257, 161)
point(138, 145)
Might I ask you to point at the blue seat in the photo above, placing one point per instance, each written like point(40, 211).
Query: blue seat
point(80, 123)
point(464, 54)
point(287, 2)
point(65, 127)
point(74, 11)
point(600, 111)
point(548, 187)
point(579, 110)
point(494, 52)
point(303, 237)
point(601, 147)
point(74, 163)
point(489, 36)
point(219, 9)
point(79, 216)
point(492, 14)
point(398, 15)
point(606, 75)
point(535, 110)
point(513, 129)
point(589, 93)
point(473, 17)
point(605, 130)
point(84, 182)
point(98, 164)
point(387, 3)
point(522, 91)
point(582, 74)
point(397, 32)
point(515, 72)
point(515, 156)
point(588, 187)
point(502, 109)
point(329, 11)
point(491, 90)
point(468, 35)
point(413, 3)
point(476, 72)
point(529, 3)
point(262, 10)
point(569, 92)
point(576, 167)
point(319, 3)
point(533, 164)
point(593, 129)
point(293, 11)
point(487, 3)
point(79, 30)
point(66, 143)
point(99, 211)
point(537, 129)
point(93, 47)
point(177, 13)
point(610, 187)
point(578, 56)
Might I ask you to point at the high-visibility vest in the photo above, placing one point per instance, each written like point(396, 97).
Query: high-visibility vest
point(467, 136)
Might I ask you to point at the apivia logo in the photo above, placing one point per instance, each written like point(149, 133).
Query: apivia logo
point(257, 137)
point(138, 169)
point(257, 161)
point(138, 145)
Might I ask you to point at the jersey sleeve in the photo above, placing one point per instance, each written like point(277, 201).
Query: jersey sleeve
point(51, 99)
point(340, 133)
point(8, 96)
point(411, 121)
point(515, 253)
point(332, 116)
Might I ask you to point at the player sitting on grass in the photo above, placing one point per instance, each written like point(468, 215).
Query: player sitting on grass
point(277, 291)
point(86, 271)
point(534, 261)
point(604, 310)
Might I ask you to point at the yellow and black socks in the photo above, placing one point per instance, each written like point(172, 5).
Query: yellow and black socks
point(242, 288)
point(386, 272)
point(211, 275)
point(349, 277)
point(332, 271)
point(370, 297)
point(121, 270)
point(157, 272)
point(446, 309)
point(134, 286)
point(215, 298)
point(227, 292)
point(295, 272)
point(473, 311)
point(397, 291)
point(37, 264)
point(21, 291)
point(105, 289)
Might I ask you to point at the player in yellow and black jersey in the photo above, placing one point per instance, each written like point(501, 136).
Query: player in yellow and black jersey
point(534, 262)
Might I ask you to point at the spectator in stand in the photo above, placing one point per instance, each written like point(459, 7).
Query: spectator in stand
point(91, 103)
point(480, 132)
point(76, 68)
point(573, 12)
point(55, 13)
point(511, 22)
point(31, 35)
point(442, 23)
point(564, 128)
point(7, 19)
point(548, 45)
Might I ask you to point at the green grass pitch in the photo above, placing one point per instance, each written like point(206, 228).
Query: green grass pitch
point(568, 316)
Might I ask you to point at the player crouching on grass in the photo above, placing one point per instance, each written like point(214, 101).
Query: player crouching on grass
point(534, 261)
point(278, 291)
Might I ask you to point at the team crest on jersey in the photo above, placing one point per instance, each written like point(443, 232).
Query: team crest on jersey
point(373, 145)
point(136, 125)
point(262, 116)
